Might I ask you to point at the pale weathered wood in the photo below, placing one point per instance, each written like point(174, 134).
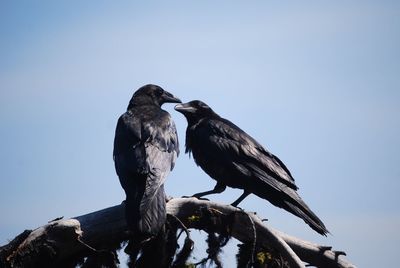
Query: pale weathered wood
point(309, 252)
point(242, 228)
point(62, 239)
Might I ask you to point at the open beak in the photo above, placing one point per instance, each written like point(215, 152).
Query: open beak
point(168, 97)
point(184, 108)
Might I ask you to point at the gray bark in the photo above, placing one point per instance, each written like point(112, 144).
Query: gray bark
point(60, 240)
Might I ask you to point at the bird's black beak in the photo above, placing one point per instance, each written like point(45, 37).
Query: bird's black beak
point(168, 97)
point(185, 108)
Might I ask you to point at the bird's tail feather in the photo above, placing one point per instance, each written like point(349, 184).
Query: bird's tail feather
point(300, 209)
point(146, 220)
point(153, 214)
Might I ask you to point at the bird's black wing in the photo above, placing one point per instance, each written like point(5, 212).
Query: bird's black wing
point(161, 148)
point(235, 152)
point(137, 138)
point(231, 156)
point(129, 155)
point(231, 142)
point(145, 149)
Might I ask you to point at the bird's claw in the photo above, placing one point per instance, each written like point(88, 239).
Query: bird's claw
point(237, 207)
point(197, 197)
point(235, 204)
point(201, 198)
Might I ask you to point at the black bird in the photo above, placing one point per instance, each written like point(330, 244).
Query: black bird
point(233, 158)
point(145, 149)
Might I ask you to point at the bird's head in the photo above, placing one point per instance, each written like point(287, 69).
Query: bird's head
point(195, 110)
point(152, 94)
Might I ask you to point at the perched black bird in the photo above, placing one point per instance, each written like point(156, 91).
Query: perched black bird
point(145, 149)
point(233, 158)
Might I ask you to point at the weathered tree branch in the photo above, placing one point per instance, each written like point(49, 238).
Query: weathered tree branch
point(60, 241)
point(320, 256)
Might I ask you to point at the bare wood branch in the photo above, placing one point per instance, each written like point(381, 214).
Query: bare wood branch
point(241, 230)
point(98, 229)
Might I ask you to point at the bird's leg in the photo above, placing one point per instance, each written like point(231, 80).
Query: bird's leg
point(240, 199)
point(219, 188)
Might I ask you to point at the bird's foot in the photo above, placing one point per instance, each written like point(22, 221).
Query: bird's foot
point(201, 198)
point(238, 207)
point(198, 197)
point(235, 204)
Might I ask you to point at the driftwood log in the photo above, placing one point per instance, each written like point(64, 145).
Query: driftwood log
point(60, 241)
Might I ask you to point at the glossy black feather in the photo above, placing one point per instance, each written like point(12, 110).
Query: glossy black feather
point(145, 149)
point(233, 158)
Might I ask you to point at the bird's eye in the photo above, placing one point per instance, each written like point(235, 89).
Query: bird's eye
point(159, 91)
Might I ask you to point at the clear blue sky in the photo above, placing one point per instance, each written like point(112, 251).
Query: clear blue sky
point(316, 82)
